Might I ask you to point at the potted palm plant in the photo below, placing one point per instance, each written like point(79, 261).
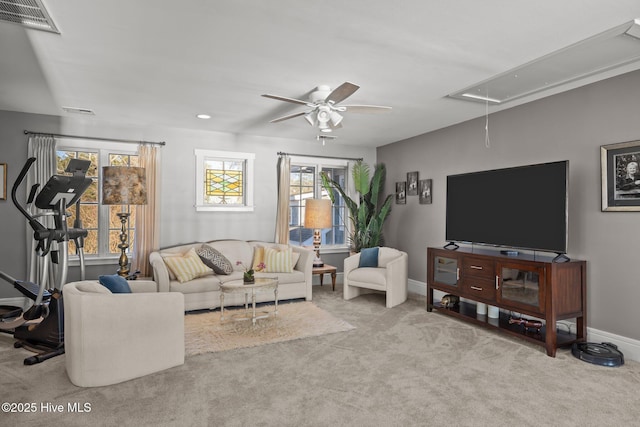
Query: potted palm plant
point(367, 215)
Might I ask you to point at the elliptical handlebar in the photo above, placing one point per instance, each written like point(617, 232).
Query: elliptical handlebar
point(34, 223)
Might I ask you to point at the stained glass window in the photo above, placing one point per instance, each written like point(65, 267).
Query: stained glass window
point(224, 180)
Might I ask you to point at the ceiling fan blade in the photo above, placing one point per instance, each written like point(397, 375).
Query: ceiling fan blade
point(284, 98)
point(342, 92)
point(366, 108)
point(290, 116)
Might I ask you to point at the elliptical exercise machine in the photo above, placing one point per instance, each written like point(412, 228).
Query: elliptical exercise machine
point(41, 327)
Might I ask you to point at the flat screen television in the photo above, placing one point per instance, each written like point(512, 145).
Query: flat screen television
point(523, 207)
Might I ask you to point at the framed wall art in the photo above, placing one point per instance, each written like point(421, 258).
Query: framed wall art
point(3, 181)
point(401, 193)
point(620, 176)
point(412, 183)
point(424, 186)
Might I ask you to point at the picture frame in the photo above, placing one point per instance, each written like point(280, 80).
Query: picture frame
point(424, 187)
point(620, 168)
point(412, 183)
point(3, 181)
point(401, 193)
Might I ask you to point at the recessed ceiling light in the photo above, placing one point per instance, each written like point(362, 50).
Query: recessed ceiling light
point(203, 116)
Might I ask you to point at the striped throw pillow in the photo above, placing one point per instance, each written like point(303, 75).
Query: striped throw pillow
point(278, 260)
point(186, 267)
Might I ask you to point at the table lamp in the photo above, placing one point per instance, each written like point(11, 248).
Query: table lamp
point(123, 185)
point(317, 215)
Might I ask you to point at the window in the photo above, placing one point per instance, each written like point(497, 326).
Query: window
point(224, 181)
point(100, 221)
point(305, 183)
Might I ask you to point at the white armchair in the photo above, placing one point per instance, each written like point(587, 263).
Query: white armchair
point(111, 338)
point(389, 276)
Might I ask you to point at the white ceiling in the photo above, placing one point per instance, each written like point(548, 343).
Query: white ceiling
point(147, 63)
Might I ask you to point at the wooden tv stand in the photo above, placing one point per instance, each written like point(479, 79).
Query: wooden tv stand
point(522, 286)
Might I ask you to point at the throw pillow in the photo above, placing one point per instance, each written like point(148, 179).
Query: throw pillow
point(368, 257)
point(278, 260)
point(295, 257)
point(215, 260)
point(116, 284)
point(258, 257)
point(187, 267)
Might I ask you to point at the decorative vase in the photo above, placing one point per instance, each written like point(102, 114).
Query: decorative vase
point(249, 279)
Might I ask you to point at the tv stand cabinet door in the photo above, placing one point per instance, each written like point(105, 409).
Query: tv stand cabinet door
point(443, 273)
point(521, 287)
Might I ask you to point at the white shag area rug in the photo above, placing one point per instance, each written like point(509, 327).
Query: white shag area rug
point(204, 333)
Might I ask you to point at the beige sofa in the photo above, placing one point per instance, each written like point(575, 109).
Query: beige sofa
point(111, 338)
point(204, 292)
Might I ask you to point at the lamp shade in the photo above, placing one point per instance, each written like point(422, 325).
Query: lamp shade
point(123, 185)
point(317, 213)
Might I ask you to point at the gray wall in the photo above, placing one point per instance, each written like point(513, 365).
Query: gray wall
point(569, 126)
point(179, 222)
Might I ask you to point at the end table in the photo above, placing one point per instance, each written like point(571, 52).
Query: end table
point(329, 269)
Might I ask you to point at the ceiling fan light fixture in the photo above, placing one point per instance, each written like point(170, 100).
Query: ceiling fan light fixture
point(335, 118)
point(309, 117)
point(325, 111)
point(324, 115)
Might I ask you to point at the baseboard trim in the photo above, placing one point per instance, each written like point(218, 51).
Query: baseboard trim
point(315, 279)
point(629, 347)
point(417, 287)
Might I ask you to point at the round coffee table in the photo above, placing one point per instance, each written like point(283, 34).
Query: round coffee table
point(262, 284)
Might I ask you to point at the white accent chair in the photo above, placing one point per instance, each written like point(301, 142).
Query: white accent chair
point(111, 338)
point(390, 276)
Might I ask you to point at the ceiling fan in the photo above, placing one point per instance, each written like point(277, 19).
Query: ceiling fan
point(325, 111)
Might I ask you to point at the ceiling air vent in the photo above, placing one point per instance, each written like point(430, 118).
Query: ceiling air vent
point(29, 13)
point(594, 56)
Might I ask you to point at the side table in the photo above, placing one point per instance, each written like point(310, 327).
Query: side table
point(329, 269)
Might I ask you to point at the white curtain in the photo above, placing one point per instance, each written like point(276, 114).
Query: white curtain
point(282, 214)
point(43, 148)
point(147, 225)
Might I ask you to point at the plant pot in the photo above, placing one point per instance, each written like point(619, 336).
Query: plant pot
point(249, 280)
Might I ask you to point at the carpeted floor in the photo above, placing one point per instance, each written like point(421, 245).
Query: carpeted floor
point(399, 367)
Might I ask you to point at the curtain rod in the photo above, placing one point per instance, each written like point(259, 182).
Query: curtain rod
point(280, 153)
point(128, 141)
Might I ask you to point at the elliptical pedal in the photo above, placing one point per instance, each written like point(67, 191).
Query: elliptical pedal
point(30, 290)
